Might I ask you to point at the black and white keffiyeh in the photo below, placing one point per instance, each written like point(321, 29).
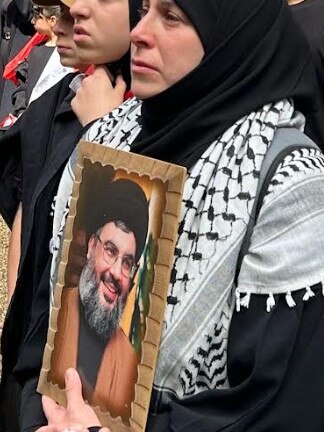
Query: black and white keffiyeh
point(217, 201)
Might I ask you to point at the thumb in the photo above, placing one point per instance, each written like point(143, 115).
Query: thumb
point(73, 388)
point(120, 84)
point(51, 409)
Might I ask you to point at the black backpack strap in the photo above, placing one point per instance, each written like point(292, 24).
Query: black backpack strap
point(285, 141)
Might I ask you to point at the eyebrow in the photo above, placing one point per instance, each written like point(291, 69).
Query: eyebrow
point(110, 243)
point(164, 3)
point(167, 2)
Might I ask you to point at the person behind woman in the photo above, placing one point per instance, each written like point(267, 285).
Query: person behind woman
point(220, 82)
point(68, 58)
point(15, 30)
point(23, 159)
point(29, 71)
point(26, 68)
point(31, 163)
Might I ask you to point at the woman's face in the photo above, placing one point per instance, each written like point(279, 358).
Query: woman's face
point(65, 45)
point(42, 24)
point(101, 30)
point(165, 48)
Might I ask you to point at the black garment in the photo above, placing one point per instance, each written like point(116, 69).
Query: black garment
point(27, 74)
point(123, 65)
point(309, 16)
point(89, 341)
point(277, 387)
point(254, 54)
point(35, 149)
point(15, 17)
point(15, 29)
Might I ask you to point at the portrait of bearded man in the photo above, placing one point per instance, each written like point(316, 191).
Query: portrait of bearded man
point(89, 336)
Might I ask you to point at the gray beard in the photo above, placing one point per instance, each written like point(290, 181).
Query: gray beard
point(104, 322)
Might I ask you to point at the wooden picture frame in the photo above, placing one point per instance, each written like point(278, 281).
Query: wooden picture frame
point(101, 169)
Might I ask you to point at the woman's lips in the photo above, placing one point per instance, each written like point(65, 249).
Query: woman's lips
point(63, 49)
point(140, 66)
point(79, 33)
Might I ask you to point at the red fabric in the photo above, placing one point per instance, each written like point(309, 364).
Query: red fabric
point(8, 121)
point(128, 95)
point(90, 70)
point(10, 69)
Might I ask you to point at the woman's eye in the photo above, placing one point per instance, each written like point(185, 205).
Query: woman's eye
point(142, 11)
point(172, 17)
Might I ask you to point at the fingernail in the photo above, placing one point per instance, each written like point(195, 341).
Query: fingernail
point(69, 374)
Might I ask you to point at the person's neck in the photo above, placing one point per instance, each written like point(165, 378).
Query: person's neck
point(83, 68)
point(51, 41)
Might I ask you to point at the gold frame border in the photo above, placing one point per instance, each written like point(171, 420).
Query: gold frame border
point(154, 169)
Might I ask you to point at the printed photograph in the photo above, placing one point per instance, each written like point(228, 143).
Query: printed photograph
point(110, 309)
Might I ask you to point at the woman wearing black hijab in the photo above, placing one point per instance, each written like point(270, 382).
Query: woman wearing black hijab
point(33, 154)
point(245, 356)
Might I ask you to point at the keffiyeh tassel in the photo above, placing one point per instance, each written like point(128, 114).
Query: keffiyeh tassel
point(289, 299)
point(245, 301)
point(238, 300)
point(309, 293)
point(270, 302)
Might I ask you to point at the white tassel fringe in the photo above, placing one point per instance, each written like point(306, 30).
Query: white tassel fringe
point(289, 299)
point(270, 302)
point(309, 293)
point(238, 300)
point(245, 301)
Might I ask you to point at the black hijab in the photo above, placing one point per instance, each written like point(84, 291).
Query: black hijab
point(123, 65)
point(254, 54)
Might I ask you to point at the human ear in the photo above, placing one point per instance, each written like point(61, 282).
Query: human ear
point(52, 20)
point(91, 243)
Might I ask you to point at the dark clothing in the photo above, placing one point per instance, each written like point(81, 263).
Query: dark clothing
point(255, 54)
point(309, 15)
point(16, 29)
point(28, 74)
point(34, 152)
point(271, 379)
point(87, 338)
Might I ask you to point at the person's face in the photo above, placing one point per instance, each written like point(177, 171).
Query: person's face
point(101, 30)
point(42, 24)
point(112, 253)
point(165, 48)
point(66, 48)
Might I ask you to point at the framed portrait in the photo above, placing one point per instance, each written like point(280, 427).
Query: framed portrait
point(112, 282)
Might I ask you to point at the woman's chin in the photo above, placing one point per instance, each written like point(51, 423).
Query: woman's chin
point(143, 93)
point(145, 90)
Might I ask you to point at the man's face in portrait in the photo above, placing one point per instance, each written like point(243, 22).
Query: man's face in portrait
point(107, 277)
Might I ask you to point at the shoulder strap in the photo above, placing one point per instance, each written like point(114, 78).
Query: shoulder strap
point(285, 141)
